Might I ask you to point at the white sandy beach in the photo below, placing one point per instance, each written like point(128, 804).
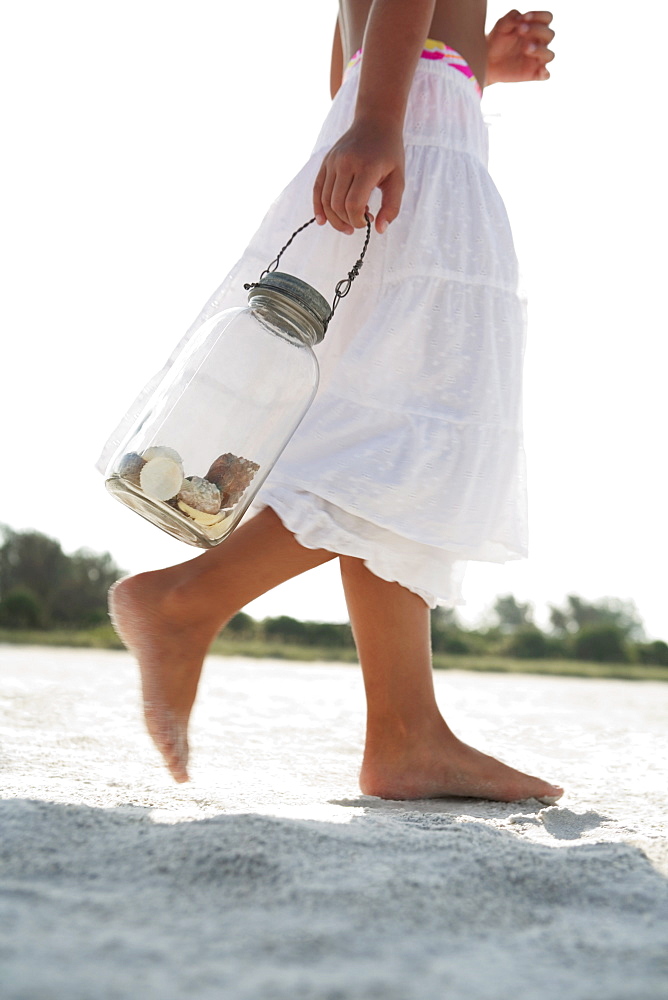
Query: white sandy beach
point(269, 877)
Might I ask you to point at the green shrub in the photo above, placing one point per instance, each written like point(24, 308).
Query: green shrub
point(21, 608)
point(336, 635)
point(450, 640)
point(601, 644)
point(653, 652)
point(284, 628)
point(528, 643)
point(242, 626)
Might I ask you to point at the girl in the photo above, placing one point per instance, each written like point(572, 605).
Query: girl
point(410, 460)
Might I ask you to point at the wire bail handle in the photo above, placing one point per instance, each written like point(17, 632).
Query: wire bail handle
point(342, 287)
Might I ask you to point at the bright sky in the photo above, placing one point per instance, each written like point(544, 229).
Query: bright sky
point(144, 141)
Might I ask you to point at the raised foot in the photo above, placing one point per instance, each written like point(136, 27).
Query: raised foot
point(170, 652)
point(453, 769)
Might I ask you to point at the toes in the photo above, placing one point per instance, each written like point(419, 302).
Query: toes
point(170, 738)
point(176, 757)
point(550, 800)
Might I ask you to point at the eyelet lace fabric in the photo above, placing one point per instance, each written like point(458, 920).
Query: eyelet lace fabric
point(411, 456)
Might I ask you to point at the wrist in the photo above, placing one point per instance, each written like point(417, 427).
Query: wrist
point(379, 121)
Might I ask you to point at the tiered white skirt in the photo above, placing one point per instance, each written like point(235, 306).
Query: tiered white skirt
point(411, 456)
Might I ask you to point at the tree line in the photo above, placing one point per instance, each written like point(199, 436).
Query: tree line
point(605, 631)
point(41, 587)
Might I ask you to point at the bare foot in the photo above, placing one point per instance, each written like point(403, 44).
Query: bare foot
point(170, 648)
point(443, 766)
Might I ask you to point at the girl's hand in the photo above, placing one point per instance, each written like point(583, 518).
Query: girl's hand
point(367, 156)
point(517, 47)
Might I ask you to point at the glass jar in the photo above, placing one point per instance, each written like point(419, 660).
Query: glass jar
point(214, 427)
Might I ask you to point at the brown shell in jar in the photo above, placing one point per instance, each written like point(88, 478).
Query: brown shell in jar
point(232, 475)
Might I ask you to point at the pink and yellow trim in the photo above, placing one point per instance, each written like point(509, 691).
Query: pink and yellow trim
point(436, 50)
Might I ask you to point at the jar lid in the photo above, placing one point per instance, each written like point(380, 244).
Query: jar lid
point(300, 292)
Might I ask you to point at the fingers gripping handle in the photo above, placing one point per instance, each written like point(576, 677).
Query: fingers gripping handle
point(343, 286)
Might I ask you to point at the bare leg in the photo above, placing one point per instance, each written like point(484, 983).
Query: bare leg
point(168, 618)
point(410, 752)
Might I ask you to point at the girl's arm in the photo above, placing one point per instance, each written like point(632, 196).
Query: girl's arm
point(371, 153)
point(336, 71)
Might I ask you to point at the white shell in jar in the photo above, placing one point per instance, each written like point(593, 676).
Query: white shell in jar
point(161, 478)
point(199, 515)
point(162, 451)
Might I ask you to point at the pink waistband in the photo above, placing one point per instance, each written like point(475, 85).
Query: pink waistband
point(437, 51)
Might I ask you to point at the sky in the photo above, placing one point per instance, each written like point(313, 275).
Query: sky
point(144, 141)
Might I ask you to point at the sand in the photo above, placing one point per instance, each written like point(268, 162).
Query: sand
point(269, 877)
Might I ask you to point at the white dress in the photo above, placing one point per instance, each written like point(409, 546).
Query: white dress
point(411, 455)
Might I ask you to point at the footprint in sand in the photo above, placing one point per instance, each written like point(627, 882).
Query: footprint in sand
point(564, 824)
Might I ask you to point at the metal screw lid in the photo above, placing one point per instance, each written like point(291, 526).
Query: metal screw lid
point(300, 292)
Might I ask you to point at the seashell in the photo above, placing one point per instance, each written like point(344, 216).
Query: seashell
point(200, 494)
point(162, 451)
point(232, 475)
point(130, 467)
point(161, 478)
point(222, 527)
point(199, 515)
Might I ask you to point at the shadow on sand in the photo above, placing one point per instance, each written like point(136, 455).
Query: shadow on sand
point(400, 903)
